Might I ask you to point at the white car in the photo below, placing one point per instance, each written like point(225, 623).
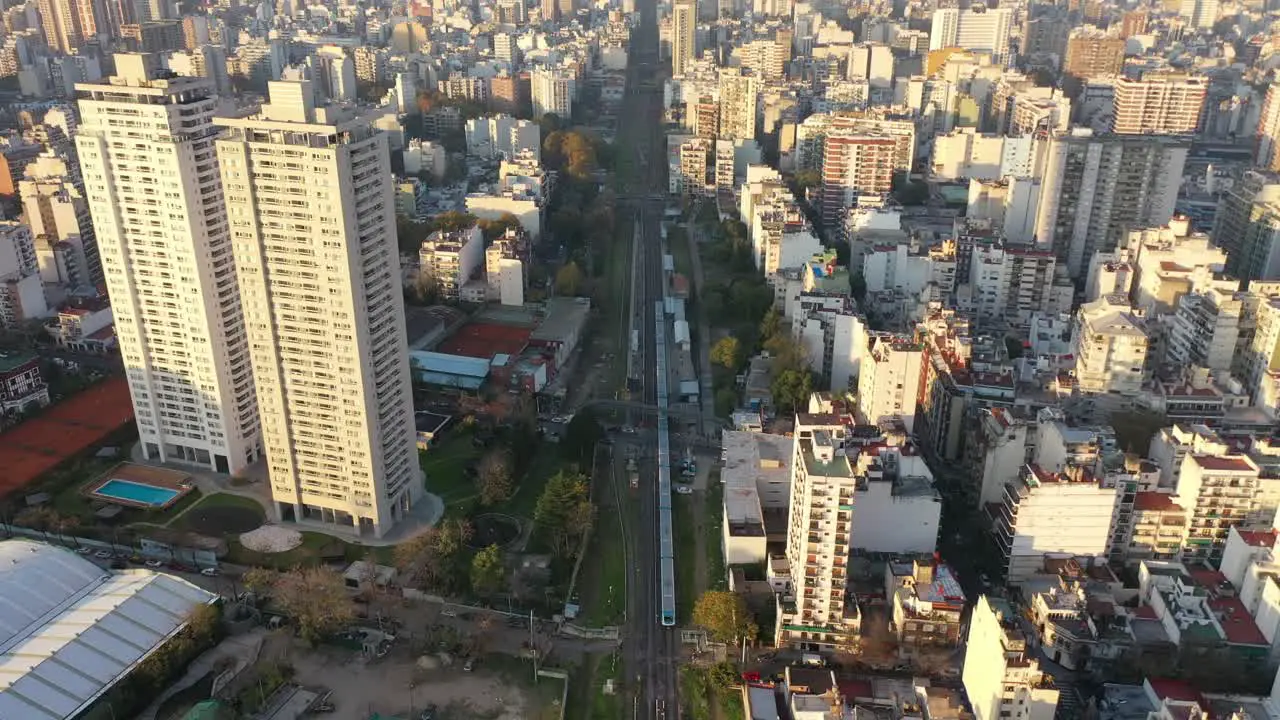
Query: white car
point(102, 555)
point(684, 490)
point(153, 564)
point(209, 572)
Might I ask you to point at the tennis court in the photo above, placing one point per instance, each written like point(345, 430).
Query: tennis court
point(63, 432)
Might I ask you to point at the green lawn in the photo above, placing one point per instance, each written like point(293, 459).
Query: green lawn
point(714, 518)
point(546, 463)
point(219, 500)
point(605, 571)
point(315, 546)
point(686, 564)
point(444, 465)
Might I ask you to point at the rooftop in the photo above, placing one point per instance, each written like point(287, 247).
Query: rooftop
point(1258, 538)
point(12, 361)
point(1226, 463)
point(1154, 502)
point(1236, 622)
point(565, 316)
point(838, 466)
point(70, 630)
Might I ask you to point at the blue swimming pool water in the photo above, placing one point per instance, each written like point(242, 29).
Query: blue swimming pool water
point(136, 492)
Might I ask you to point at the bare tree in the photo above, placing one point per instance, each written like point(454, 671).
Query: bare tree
point(493, 477)
point(315, 599)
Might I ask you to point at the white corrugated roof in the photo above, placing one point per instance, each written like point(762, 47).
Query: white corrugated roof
point(69, 630)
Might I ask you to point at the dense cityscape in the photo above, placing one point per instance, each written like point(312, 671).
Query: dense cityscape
point(664, 359)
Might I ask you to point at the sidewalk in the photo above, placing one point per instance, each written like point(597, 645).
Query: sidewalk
point(421, 517)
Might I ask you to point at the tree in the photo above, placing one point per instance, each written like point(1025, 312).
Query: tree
point(858, 287)
point(568, 279)
point(724, 616)
point(563, 513)
point(494, 229)
point(493, 477)
point(487, 571)
point(806, 179)
point(771, 325)
point(791, 390)
point(726, 400)
point(431, 560)
point(315, 599)
point(727, 353)
point(580, 437)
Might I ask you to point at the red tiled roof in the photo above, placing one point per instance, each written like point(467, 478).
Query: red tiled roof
point(854, 689)
point(1154, 501)
point(1145, 612)
point(1208, 578)
point(1257, 538)
point(1167, 689)
point(1236, 622)
point(1226, 463)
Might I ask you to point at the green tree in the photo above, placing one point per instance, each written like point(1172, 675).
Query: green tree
point(563, 513)
point(858, 287)
point(724, 616)
point(771, 325)
point(806, 179)
point(726, 401)
point(494, 229)
point(727, 353)
point(568, 279)
point(487, 571)
point(791, 390)
point(493, 477)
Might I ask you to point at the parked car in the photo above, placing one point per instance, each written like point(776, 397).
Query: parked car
point(154, 564)
point(684, 490)
point(84, 550)
point(102, 555)
point(469, 665)
point(209, 572)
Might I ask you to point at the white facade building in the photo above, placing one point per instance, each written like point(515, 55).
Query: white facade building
point(172, 279)
point(889, 380)
point(999, 681)
point(58, 211)
point(552, 91)
point(323, 311)
point(1110, 347)
point(1052, 514)
point(977, 28)
point(823, 484)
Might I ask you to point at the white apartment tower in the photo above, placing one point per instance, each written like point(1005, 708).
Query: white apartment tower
point(819, 530)
point(889, 380)
point(151, 175)
point(684, 35)
point(978, 29)
point(1159, 104)
point(552, 91)
point(324, 318)
point(58, 212)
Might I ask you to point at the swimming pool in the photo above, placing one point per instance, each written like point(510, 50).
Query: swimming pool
point(136, 493)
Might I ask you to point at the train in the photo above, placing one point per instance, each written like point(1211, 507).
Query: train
point(666, 544)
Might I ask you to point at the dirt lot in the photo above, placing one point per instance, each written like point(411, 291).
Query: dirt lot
point(397, 686)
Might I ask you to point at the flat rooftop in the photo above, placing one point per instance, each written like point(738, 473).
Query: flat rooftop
point(838, 466)
point(12, 361)
point(564, 318)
